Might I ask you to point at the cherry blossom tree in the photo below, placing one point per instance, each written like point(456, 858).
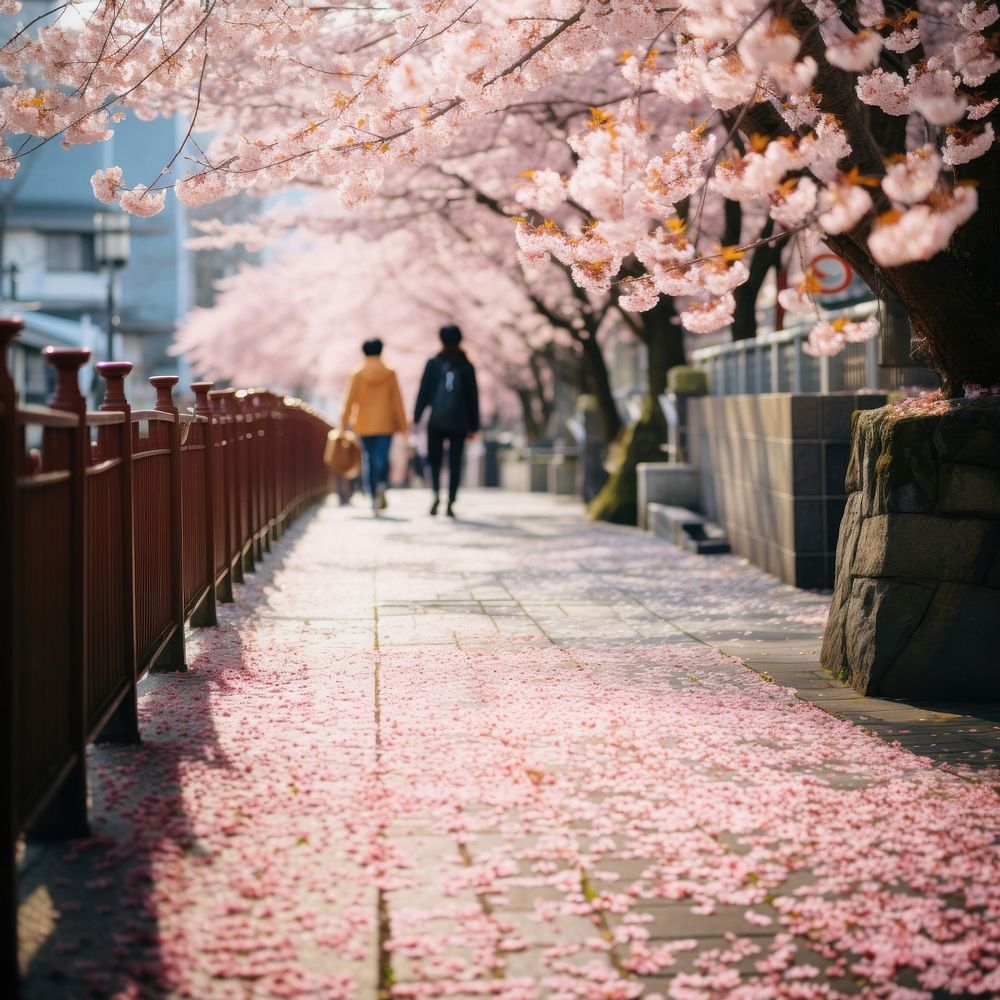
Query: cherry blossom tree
point(257, 332)
point(869, 124)
point(457, 209)
point(460, 204)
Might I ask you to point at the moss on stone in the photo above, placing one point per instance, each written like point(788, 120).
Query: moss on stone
point(688, 379)
point(618, 500)
point(906, 455)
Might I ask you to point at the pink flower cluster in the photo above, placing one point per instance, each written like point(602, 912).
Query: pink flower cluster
point(400, 91)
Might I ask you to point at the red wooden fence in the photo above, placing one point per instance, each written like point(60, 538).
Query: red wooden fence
point(115, 529)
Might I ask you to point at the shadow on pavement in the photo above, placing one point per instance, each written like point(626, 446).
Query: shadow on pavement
point(90, 910)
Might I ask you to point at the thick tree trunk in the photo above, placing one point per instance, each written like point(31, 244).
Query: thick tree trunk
point(952, 306)
point(618, 500)
point(953, 299)
point(599, 383)
point(744, 326)
point(664, 340)
point(532, 430)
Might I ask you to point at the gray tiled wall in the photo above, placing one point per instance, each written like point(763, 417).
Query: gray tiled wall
point(772, 470)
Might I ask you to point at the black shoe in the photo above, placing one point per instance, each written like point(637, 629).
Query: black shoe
point(450, 511)
point(434, 506)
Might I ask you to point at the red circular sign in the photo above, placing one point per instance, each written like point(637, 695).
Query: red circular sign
point(833, 273)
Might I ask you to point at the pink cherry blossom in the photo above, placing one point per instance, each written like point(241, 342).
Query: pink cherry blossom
point(978, 15)
point(933, 93)
point(544, 191)
point(914, 177)
point(922, 230)
point(903, 40)
point(855, 52)
point(884, 90)
point(107, 184)
point(769, 41)
point(142, 202)
point(842, 206)
point(710, 315)
point(441, 102)
point(963, 146)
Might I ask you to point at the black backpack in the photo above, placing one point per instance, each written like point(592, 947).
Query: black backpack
point(448, 408)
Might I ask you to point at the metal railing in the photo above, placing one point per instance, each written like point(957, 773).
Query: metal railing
point(119, 527)
point(776, 362)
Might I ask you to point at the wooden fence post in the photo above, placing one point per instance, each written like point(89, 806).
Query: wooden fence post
point(66, 813)
point(9, 465)
point(173, 656)
point(234, 479)
point(205, 614)
point(123, 725)
point(246, 460)
point(223, 445)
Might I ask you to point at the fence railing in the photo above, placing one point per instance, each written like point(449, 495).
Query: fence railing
point(776, 362)
point(117, 527)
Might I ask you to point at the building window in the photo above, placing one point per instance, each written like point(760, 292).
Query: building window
point(69, 252)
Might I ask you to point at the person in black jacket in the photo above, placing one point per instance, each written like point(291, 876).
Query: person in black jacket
point(448, 388)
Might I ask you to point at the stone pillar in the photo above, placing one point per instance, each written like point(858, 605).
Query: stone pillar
point(916, 604)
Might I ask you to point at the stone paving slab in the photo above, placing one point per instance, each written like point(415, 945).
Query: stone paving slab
point(451, 722)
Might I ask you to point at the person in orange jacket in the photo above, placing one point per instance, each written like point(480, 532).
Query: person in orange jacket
point(373, 409)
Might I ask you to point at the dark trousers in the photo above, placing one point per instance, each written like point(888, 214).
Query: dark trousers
point(435, 454)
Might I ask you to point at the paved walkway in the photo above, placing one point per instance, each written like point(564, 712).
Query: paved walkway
point(517, 756)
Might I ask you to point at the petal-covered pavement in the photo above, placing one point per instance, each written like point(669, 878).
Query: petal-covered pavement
point(422, 758)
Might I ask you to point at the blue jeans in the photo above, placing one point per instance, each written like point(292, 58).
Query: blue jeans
point(376, 455)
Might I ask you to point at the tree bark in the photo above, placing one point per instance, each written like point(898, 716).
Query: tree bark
point(532, 429)
point(952, 299)
point(618, 500)
point(599, 383)
point(664, 341)
point(744, 326)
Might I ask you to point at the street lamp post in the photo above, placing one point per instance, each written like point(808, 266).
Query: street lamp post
point(111, 251)
point(12, 271)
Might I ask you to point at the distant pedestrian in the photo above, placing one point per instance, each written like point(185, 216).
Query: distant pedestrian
point(373, 407)
point(448, 388)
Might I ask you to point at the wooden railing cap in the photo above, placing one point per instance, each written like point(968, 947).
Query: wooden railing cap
point(164, 386)
point(67, 362)
point(114, 374)
point(10, 327)
point(202, 403)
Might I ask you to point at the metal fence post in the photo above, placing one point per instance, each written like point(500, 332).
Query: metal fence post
point(871, 362)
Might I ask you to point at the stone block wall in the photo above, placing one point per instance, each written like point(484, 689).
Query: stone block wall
point(916, 606)
point(673, 483)
point(771, 472)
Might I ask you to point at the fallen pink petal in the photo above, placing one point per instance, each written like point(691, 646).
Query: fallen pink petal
point(393, 768)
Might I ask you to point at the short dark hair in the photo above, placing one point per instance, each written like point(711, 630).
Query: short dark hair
point(450, 335)
point(372, 348)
